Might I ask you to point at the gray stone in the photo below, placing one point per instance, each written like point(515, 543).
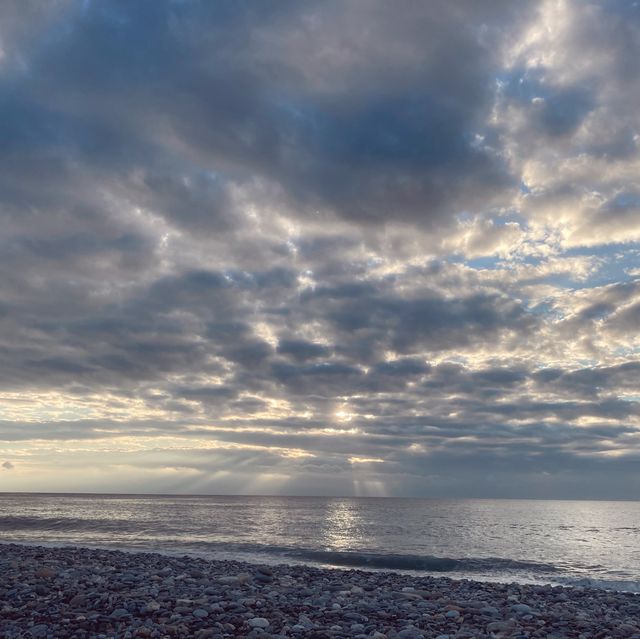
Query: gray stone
point(201, 613)
point(522, 609)
point(501, 626)
point(259, 622)
point(120, 613)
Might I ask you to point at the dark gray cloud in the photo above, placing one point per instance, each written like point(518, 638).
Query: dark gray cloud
point(129, 88)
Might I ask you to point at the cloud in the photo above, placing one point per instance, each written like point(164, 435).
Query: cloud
point(244, 241)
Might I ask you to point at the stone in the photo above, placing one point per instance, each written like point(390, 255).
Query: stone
point(152, 606)
point(200, 613)
point(522, 609)
point(259, 622)
point(39, 630)
point(120, 613)
point(45, 572)
point(501, 626)
point(77, 601)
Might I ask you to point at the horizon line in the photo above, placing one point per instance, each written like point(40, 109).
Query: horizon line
point(272, 496)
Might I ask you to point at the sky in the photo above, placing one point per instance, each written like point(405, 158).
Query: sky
point(349, 247)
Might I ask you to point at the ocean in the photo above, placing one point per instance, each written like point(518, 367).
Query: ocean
point(559, 542)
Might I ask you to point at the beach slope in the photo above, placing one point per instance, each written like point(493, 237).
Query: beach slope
point(78, 592)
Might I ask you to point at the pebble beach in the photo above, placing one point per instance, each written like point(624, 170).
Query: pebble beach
point(79, 592)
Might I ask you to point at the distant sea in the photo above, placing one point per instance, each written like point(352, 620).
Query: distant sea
point(559, 542)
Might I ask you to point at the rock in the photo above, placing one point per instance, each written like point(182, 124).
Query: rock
point(77, 601)
point(45, 572)
point(39, 630)
point(200, 613)
point(259, 622)
point(452, 614)
point(501, 626)
point(151, 606)
point(522, 609)
point(305, 622)
point(120, 613)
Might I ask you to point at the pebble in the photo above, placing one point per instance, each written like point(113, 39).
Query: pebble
point(522, 609)
point(259, 622)
point(84, 593)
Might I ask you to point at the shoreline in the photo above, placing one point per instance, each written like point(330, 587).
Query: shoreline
point(64, 591)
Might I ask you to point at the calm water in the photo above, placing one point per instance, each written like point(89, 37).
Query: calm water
point(527, 541)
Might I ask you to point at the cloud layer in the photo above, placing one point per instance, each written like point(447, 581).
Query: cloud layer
point(329, 248)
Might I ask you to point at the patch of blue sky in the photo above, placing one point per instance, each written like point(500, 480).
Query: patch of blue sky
point(520, 84)
point(544, 309)
point(567, 281)
point(510, 217)
point(489, 262)
point(618, 263)
point(626, 351)
point(588, 362)
point(624, 200)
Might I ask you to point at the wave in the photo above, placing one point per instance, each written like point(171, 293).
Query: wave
point(373, 560)
point(426, 563)
point(623, 585)
point(22, 523)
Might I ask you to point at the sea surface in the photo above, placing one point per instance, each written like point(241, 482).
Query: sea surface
point(560, 542)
